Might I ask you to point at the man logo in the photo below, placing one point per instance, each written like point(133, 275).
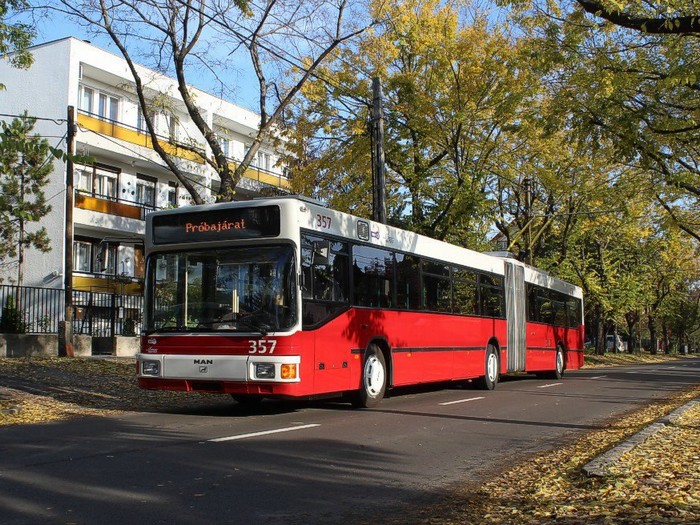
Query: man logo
point(203, 361)
point(203, 369)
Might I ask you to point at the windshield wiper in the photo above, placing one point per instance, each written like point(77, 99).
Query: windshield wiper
point(248, 322)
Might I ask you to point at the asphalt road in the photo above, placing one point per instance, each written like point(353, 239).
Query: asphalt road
point(305, 463)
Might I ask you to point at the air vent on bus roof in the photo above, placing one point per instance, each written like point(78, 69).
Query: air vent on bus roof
point(502, 254)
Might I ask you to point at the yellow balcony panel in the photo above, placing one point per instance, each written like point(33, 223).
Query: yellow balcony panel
point(179, 151)
point(120, 209)
point(107, 284)
point(265, 177)
point(127, 134)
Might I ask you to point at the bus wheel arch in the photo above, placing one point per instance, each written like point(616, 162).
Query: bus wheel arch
point(374, 377)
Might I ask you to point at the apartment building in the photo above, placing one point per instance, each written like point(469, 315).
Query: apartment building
point(128, 179)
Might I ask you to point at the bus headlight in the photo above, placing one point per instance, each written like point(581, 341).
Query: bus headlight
point(265, 370)
point(150, 368)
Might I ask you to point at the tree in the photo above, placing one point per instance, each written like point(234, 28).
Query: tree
point(194, 38)
point(16, 37)
point(636, 90)
point(25, 165)
point(665, 18)
point(454, 91)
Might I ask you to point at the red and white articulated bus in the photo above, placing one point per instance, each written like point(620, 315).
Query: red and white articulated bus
point(285, 298)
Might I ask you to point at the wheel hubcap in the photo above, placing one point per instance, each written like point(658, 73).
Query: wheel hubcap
point(560, 362)
point(374, 376)
point(492, 367)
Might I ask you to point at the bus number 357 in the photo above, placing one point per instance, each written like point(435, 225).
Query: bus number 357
point(262, 346)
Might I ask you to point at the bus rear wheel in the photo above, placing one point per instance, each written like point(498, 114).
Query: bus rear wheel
point(491, 369)
point(373, 380)
point(558, 371)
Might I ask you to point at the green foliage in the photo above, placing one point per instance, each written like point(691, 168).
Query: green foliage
point(575, 140)
point(24, 171)
point(454, 94)
point(15, 38)
point(12, 320)
point(129, 328)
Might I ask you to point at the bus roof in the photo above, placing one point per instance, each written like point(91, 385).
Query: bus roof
point(313, 216)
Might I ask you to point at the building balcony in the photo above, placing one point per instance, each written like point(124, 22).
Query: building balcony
point(110, 214)
point(132, 135)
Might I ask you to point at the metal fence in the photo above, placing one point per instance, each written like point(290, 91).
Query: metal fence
point(31, 310)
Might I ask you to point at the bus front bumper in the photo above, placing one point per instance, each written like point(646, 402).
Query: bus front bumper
point(247, 369)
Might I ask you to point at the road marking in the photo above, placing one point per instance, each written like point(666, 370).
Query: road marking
point(460, 401)
point(597, 377)
point(551, 384)
point(263, 433)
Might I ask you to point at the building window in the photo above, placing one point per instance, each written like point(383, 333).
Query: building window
point(82, 256)
point(225, 145)
point(172, 194)
point(146, 191)
point(98, 181)
point(167, 126)
point(109, 107)
point(86, 99)
point(94, 256)
point(104, 105)
point(105, 261)
point(141, 126)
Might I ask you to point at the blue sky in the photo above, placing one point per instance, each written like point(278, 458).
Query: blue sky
point(59, 27)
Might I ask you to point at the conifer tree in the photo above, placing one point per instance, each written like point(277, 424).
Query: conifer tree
point(25, 165)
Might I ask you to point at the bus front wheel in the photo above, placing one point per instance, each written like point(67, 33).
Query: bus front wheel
point(491, 369)
point(373, 380)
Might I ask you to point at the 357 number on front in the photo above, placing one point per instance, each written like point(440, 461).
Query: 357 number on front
point(262, 346)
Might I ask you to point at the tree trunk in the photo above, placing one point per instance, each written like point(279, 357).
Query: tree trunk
point(600, 332)
point(653, 341)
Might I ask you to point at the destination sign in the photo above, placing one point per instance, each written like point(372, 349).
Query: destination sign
point(217, 225)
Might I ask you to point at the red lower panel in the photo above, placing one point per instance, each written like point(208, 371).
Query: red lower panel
point(424, 347)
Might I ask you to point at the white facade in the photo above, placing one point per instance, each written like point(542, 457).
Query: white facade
point(128, 179)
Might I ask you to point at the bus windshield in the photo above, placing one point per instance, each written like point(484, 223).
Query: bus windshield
point(236, 289)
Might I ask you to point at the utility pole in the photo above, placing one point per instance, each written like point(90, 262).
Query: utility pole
point(378, 173)
point(528, 217)
point(67, 349)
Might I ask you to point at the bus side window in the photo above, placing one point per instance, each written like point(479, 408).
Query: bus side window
point(408, 287)
point(491, 295)
point(533, 312)
point(466, 297)
point(324, 274)
point(373, 276)
point(437, 287)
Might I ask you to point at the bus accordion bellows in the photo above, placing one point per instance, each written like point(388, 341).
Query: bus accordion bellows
point(284, 298)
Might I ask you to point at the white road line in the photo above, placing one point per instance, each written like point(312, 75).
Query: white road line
point(263, 433)
point(597, 377)
point(551, 384)
point(460, 401)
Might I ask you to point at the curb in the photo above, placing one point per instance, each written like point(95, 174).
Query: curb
point(600, 466)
